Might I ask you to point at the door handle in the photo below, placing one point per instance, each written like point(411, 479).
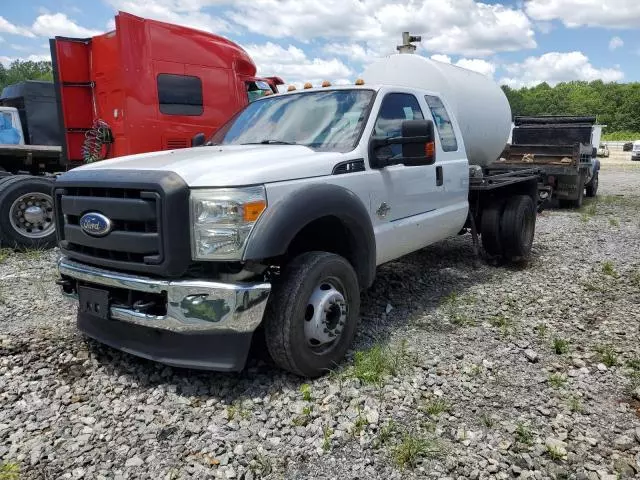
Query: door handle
point(439, 176)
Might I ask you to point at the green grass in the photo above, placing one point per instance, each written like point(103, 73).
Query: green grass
point(560, 345)
point(371, 366)
point(360, 424)
point(524, 434)
point(303, 419)
point(9, 471)
point(635, 278)
point(414, 448)
point(452, 305)
point(327, 431)
point(385, 434)
point(237, 411)
point(436, 407)
point(609, 269)
point(614, 222)
point(4, 254)
point(305, 389)
point(557, 380)
point(554, 452)
point(607, 355)
point(505, 324)
point(487, 421)
point(541, 329)
point(574, 404)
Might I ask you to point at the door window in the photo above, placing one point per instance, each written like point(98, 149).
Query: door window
point(395, 108)
point(257, 89)
point(443, 124)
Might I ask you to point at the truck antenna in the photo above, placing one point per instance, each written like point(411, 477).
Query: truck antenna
point(407, 43)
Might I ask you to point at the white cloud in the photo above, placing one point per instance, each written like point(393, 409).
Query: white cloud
point(180, 12)
point(476, 64)
point(7, 27)
point(293, 65)
point(6, 61)
point(463, 27)
point(593, 13)
point(615, 42)
point(49, 25)
point(555, 67)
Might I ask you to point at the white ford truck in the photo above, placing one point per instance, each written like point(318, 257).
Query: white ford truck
point(278, 222)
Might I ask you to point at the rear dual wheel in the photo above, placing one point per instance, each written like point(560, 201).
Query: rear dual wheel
point(507, 227)
point(312, 315)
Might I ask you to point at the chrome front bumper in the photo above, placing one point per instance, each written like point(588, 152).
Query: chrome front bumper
point(193, 306)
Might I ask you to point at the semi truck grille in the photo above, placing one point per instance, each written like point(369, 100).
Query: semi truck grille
point(149, 220)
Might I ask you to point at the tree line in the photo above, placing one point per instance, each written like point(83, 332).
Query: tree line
point(616, 105)
point(20, 70)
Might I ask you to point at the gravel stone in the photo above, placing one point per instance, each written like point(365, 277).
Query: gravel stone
point(73, 408)
point(531, 355)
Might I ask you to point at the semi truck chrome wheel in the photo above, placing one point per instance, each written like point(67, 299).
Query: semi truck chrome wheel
point(325, 315)
point(312, 314)
point(32, 215)
point(27, 213)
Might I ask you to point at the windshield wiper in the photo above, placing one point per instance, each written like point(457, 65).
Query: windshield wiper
point(271, 142)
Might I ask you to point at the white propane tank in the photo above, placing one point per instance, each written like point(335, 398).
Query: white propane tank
point(478, 103)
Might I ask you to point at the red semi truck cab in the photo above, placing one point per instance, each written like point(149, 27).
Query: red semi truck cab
point(148, 86)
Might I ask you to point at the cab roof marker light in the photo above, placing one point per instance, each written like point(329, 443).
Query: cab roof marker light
point(359, 81)
point(291, 88)
point(326, 83)
point(308, 85)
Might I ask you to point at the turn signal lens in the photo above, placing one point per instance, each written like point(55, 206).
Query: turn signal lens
point(252, 210)
point(429, 149)
point(359, 81)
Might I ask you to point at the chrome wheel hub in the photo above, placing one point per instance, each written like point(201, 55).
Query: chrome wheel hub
point(32, 215)
point(325, 315)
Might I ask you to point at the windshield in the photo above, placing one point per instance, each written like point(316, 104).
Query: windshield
point(323, 120)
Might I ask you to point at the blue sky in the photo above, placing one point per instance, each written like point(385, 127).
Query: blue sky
point(517, 43)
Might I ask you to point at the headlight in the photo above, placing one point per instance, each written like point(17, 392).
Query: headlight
point(222, 219)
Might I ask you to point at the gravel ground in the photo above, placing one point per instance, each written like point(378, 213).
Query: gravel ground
point(491, 372)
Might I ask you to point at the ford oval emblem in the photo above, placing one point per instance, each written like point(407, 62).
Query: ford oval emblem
point(95, 224)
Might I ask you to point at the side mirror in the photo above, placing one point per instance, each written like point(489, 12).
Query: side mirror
point(418, 146)
point(198, 140)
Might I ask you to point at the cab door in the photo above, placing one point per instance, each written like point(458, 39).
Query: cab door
point(408, 198)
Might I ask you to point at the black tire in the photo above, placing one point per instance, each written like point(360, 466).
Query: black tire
point(284, 322)
point(11, 189)
point(490, 228)
point(517, 227)
point(592, 186)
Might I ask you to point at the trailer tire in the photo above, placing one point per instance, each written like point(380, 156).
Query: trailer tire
point(592, 186)
point(490, 228)
point(310, 282)
point(17, 194)
point(517, 227)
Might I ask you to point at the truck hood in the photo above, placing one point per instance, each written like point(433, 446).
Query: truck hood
point(231, 165)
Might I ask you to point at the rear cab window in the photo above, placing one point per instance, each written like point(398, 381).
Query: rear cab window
point(443, 123)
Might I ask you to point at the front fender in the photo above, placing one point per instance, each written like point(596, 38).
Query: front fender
point(282, 221)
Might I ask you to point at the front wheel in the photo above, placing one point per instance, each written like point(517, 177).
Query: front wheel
point(312, 315)
point(26, 212)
